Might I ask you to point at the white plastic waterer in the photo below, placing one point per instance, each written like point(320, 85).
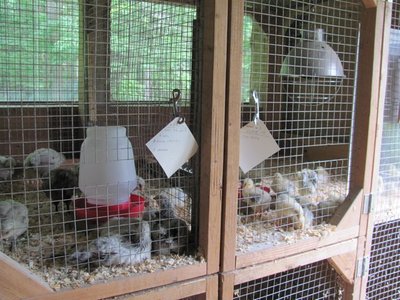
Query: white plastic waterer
point(107, 173)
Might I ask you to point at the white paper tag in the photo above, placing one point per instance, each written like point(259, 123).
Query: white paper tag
point(173, 146)
point(256, 145)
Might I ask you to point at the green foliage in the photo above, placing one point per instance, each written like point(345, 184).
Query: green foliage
point(151, 50)
point(39, 50)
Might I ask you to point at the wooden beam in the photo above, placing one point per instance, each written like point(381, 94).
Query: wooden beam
point(349, 212)
point(279, 252)
point(128, 285)
point(370, 3)
point(17, 282)
point(318, 153)
point(227, 286)
point(375, 35)
point(232, 137)
point(291, 262)
point(212, 129)
point(344, 265)
point(173, 291)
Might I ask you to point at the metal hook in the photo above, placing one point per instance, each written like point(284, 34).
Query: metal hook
point(256, 100)
point(176, 96)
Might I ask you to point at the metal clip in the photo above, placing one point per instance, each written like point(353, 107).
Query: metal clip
point(256, 100)
point(176, 96)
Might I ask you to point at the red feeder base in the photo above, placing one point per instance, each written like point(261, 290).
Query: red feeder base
point(101, 213)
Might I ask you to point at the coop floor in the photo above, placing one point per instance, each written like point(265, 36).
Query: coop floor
point(262, 232)
point(52, 236)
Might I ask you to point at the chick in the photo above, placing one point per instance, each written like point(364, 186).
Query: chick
point(176, 196)
point(308, 217)
point(169, 236)
point(327, 208)
point(289, 212)
point(281, 184)
point(123, 241)
point(173, 203)
point(60, 186)
point(307, 181)
point(322, 175)
point(255, 199)
point(13, 221)
point(44, 160)
point(7, 165)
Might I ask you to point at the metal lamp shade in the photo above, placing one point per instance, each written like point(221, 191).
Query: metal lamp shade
point(312, 71)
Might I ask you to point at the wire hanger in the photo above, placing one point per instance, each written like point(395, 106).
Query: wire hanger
point(176, 96)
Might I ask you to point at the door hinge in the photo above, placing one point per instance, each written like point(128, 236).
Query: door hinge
point(368, 204)
point(362, 267)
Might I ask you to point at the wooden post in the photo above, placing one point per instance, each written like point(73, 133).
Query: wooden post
point(232, 128)
point(212, 129)
point(16, 282)
point(227, 286)
point(375, 27)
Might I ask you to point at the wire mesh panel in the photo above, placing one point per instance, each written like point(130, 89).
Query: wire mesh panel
point(384, 266)
point(301, 59)
point(84, 85)
point(314, 281)
point(389, 171)
point(383, 277)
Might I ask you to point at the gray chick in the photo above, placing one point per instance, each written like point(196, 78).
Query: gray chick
point(169, 236)
point(44, 160)
point(60, 186)
point(7, 165)
point(13, 221)
point(308, 181)
point(122, 241)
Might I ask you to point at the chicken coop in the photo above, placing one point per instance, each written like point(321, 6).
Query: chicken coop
point(296, 222)
point(94, 94)
point(199, 149)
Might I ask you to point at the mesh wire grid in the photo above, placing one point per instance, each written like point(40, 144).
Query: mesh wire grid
point(66, 66)
point(383, 276)
point(314, 281)
point(307, 181)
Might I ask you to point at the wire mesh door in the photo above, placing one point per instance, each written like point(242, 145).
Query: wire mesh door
point(85, 84)
point(383, 277)
point(301, 59)
point(313, 281)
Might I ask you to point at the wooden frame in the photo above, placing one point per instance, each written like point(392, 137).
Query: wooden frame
point(215, 14)
point(376, 45)
point(221, 73)
point(343, 246)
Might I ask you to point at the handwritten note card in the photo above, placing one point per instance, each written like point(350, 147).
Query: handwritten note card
point(256, 145)
point(173, 146)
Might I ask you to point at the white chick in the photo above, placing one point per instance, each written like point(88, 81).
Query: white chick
point(176, 195)
point(308, 217)
point(140, 185)
point(13, 220)
point(290, 212)
point(124, 241)
point(322, 175)
point(7, 165)
point(255, 198)
point(44, 160)
point(281, 184)
point(307, 181)
point(172, 201)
